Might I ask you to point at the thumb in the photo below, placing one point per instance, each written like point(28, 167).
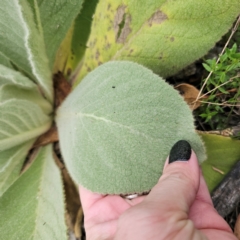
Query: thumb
point(178, 186)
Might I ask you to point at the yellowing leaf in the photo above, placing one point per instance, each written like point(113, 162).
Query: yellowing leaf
point(222, 155)
point(74, 45)
point(56, 19)
point(164, 36)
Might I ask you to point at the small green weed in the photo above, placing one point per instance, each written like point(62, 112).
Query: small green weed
point(222, 89)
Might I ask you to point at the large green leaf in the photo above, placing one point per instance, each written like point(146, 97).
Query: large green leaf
point(5, 61)
point(10, 91)
point(14, 85)
point(164, 35)
point(33, 207)
point(11, 162)
point(20, 121)
point(9, 76)
point(117, 127)
point(22, 42)
point(222, 155)
point(56, 18)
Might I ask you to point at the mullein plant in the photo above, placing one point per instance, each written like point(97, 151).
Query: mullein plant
point(117, 126)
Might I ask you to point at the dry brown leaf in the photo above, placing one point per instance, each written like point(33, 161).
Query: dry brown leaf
point(73, 205)
point(228, 132)
point(30, 158)
point(189, 94)
point(61, 88)
point(50, 136)
point(237, 227)
point(78, 224)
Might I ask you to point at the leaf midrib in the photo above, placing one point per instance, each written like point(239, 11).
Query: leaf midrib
point(108, 121)
point(22, 137)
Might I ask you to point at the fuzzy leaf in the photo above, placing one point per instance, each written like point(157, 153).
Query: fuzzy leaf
point(5, 61)
point(14, 85)
point(164, 36)
point(21, 121)
point(33, 207)
point(56, 18)
point(9, 76)
point(117, 127)
point(11, 162)
point(10, 91)
point(222, 154)
point(22, 42)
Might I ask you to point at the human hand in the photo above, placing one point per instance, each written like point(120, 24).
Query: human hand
point(179, 207)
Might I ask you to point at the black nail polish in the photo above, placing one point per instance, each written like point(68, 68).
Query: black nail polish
point(181, 151)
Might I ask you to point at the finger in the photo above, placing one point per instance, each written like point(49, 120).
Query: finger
point(100, 208)
point(88, 198)
point(179, 184)
point(203, 192)
point(202, 208)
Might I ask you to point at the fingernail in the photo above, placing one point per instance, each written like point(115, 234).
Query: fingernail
point(181, 151)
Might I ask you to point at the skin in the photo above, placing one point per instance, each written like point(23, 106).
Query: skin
point(178, 207)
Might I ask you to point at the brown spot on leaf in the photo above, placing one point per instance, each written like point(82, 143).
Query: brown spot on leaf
point(161, 56)
point(69, 71)
point(89, 69)
point(122, 25)
point(130, 52)
point(92, 43)
point(126, 30)
point(109, 6)
point(157, 18)
point(119, 17)
point(107, 46)
point(97, 54)
point(99, 63)
point(172, 39)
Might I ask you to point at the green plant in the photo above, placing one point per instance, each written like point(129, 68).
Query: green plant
point(40, 37)
point(222, 89)
point(164, 36)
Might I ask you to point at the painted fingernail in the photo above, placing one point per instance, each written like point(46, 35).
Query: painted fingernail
point(181, 151)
